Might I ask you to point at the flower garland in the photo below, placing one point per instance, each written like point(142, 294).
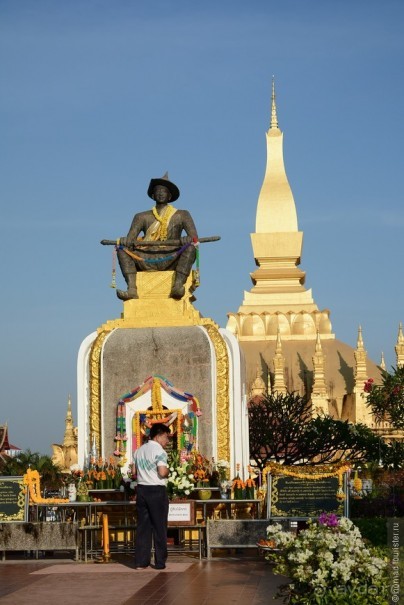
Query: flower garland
point(163, 219)
point(315, 472)
point(32, 480)
point(121, 436)
point(155, 383)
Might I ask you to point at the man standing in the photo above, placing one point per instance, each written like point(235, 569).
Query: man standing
point(151, 468)
point(162, 222)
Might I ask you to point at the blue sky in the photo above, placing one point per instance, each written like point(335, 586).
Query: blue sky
point(100, 96)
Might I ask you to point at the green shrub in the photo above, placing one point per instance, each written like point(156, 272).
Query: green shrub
point(374, 530)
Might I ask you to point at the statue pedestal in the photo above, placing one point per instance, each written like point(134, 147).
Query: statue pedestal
point(159, 336)
point(154, 307)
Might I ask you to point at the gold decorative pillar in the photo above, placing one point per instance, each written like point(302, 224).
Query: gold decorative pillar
point(363, 414)
point(399, 348)
point(279, 385)
point(319, 393)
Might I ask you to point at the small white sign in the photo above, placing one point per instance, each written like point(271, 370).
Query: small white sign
point(179, 511)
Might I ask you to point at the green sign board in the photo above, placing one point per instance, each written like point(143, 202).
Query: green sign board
point(303, 498)
point(13, 500)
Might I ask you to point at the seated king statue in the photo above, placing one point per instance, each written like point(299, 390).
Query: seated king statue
point(163, 222)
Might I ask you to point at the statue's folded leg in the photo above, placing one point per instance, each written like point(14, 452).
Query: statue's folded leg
point(178, 288)
point(182, 270)
point(128, 269)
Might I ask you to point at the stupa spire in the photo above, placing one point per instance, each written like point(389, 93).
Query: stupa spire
point(274, 117)
point(360, 375)
point(399, 348)
point(276, 210)
point(69, 438)
point(279, 385)
point(278, 296)
point(359, 342)
point(258, 387)
point(319, 393)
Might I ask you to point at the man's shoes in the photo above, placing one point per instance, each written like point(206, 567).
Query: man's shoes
point(145, 567)
point(158, 566)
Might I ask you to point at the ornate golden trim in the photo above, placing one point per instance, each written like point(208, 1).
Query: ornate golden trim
point(222, 388)
point(95, 390)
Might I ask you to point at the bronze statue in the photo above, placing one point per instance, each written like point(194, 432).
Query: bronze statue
point(161, 223)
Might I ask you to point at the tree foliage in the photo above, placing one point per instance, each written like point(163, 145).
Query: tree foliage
point(282, 429)
point(51, 475)
point(387, 399)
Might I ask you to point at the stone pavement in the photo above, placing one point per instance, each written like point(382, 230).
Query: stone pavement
point(232, 580)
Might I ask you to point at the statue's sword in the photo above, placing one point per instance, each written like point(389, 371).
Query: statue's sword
point(168, 242)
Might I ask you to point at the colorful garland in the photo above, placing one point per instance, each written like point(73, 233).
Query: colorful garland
point(196, 274)
point(155, 383)
point(173, 256)
point(152, 261)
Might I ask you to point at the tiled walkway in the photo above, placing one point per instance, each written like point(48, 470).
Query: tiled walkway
point(185, 581)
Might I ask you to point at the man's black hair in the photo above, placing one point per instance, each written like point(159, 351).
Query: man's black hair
point(158, 429)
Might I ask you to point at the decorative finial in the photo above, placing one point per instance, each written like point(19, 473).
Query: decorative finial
point(274, 117)
point(382, 362)
point(360, 339)
point(318, 347)
point(399, 348)
point(278, 346)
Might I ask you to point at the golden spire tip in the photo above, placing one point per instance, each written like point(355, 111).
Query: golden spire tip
point(274, 117)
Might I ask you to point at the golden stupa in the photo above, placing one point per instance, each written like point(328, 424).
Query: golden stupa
point(279, 327)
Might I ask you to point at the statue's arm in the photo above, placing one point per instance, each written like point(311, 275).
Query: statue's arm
point(189, 225)
point(137, 227)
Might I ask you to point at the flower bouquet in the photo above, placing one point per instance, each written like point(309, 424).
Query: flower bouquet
point(82, 494)
point(180, 481)
point(238, 485)
point(200, 467)
point(222, 468)
point(250, 485)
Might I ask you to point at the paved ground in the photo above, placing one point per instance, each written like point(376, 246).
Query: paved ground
point(186, 581)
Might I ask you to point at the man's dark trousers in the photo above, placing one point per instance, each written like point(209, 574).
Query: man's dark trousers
point(152, 512)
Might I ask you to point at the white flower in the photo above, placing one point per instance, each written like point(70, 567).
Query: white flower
point(325, 557)
point(222, 464)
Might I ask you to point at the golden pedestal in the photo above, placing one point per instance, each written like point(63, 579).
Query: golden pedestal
point(154, 307)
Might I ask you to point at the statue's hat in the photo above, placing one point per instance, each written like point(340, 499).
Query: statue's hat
point(173, 189)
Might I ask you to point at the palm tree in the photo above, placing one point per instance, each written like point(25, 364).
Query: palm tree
point(51, 475)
